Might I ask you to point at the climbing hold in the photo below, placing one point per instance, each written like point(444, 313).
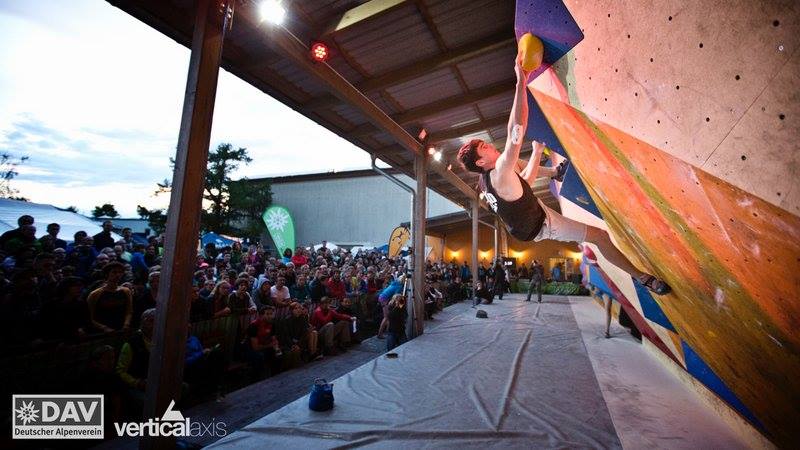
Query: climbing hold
point(532, 51)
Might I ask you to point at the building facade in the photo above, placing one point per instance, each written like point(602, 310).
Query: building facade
point(357, 207)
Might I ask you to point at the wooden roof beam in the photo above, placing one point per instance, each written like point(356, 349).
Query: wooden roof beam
point(359, 14)
point(420, 68)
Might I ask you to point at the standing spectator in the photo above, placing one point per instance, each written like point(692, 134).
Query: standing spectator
point(24, 239)
point(52, 230)
point(67, 317)
point(111, 305)
point(499, 279)
point(127, 239)
point(10, 234)
point(134, 360)
point(537, 281)
point(199, 307)
point(396, 332)
point(331, 334)
point(146, 298)
point(104, 239)
point(138, 263)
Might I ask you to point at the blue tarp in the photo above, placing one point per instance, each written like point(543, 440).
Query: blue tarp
point(217, 240)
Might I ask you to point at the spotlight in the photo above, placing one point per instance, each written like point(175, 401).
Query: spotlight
point(431, 151)
point(319, 52)
point(437, 156)
point(272, 11)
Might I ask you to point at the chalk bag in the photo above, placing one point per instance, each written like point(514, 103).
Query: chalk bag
point(321, 397)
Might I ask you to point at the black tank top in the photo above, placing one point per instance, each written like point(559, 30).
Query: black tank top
point(524, 216)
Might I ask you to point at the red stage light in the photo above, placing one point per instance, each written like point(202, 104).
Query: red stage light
point(319, 52)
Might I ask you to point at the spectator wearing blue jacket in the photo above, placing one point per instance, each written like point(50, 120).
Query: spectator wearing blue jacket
point(395, 287)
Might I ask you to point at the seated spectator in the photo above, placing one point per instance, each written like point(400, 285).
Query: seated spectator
point(263, 295)
point(300, 291)
point(239, 301)
point(334, 335)
point(134, 360)
point(456, 291)
point(335, 288)
point(281, 298)
point(204, 366)
point(219, 299)
point(433, 301)
point(67, 316)
point(482, 293)
point(199, 307)
point(111, 305)
point(262, 348)
point(208, 287)
point(316, 289)
point(296, 333)
point(299, 258)
point(396, 329)
point(346, 308)
point(287, 256)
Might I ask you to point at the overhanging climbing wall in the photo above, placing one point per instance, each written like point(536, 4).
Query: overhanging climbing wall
point(688, 154)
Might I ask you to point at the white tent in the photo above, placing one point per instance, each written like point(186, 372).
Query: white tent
point(11, 210)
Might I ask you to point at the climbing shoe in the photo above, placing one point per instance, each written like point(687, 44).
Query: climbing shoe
point(561, 170)
point(655, 285)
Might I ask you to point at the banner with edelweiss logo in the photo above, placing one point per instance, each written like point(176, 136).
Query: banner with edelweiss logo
point(281, 227)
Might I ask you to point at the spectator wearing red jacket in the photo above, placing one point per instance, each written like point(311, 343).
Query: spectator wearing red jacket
point(331, 334)
point(299, 259)
point(335, 288)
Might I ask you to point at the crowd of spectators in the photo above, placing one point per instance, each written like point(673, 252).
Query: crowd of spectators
point(304, 305)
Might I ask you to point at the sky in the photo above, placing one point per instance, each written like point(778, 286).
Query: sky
point(93, 96)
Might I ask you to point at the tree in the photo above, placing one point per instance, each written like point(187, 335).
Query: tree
point(106, 210)
point(72, 209)
point(248, 200)
point(221, 163)
point(156, 218)
point(8, 171)
point(232, 206)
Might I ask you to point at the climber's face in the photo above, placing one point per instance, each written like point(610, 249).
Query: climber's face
point(487, 156)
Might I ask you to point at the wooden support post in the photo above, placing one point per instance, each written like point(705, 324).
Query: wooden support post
point(475, 211)
point(420, 212)
point(183, 220)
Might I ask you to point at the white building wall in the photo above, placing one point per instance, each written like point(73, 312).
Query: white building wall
point(351, 210)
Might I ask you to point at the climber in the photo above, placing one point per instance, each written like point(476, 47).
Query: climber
point(507, 189)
